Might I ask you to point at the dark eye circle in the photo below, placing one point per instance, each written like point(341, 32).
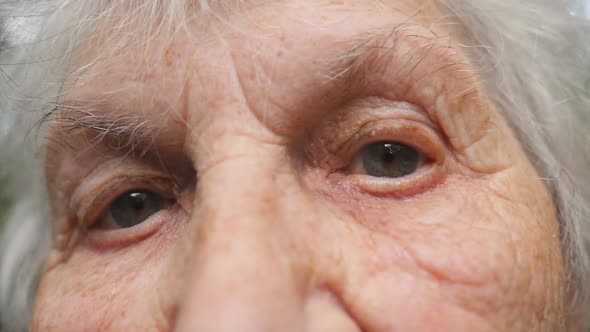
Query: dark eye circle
point(390, 159)
point(134, 207)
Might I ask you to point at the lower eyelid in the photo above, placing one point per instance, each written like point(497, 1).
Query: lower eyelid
point(113, 238)
point(426, 178)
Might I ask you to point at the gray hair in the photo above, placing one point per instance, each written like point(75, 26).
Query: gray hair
point(533, 58)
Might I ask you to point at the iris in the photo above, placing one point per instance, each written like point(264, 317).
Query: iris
point(390, 159)
point(134, 207)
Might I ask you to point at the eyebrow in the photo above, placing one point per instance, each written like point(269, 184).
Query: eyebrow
point(74, 120)
point(375, 52)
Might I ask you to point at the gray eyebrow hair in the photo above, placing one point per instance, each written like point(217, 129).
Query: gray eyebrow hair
point(69, 119)
point(376, 51)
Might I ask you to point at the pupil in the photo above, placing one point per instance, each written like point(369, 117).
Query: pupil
point(138, 200)
point(388, 153)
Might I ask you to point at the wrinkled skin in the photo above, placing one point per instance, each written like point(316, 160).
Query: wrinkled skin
point(251, 126)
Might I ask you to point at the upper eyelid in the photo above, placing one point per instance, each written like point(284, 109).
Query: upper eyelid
point(352, 120)
point(367, 130)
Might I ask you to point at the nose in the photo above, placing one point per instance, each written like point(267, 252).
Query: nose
point(241, 280)
point(249, 272)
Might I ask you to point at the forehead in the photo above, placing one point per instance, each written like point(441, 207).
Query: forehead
point(285, 63)
point(267, 41)
point(286, 25)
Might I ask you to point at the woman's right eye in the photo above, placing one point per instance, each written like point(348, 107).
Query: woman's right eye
point(132, 208)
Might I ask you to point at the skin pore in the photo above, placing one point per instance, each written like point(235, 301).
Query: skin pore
point(251, 127)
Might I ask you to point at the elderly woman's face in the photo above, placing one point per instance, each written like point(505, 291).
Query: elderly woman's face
point(327, 166)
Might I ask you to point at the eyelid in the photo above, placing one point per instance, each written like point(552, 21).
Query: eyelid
point(91, 204)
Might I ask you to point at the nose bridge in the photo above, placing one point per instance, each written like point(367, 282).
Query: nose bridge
point(243, 277)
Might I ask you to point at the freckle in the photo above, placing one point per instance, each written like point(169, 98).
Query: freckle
point(280, 54)
point(123, 313)
point(169, 57)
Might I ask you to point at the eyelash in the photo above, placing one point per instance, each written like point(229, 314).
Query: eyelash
point(418, 136)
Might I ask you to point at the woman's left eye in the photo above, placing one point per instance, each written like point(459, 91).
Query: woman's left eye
point(389, 159)
point(133, 208)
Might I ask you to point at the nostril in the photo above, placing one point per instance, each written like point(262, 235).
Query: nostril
point(325, 312)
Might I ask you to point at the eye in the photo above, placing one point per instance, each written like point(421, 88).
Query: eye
point(390, 159)
point(133, 208)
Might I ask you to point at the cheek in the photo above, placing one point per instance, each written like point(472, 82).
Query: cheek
point(85, 302)
point(109, 290)
point(470, 255)
point(462, 250)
